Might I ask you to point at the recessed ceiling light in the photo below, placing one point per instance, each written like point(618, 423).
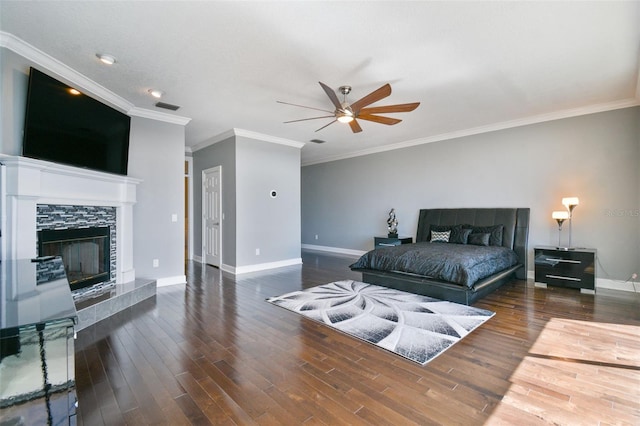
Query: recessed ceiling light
point(156, 93)
point(106, 59)
point(74, 91)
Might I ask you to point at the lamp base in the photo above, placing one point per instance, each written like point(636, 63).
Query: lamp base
point(565, 248)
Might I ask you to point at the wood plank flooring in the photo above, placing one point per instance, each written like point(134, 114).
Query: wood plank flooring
point(214, 352)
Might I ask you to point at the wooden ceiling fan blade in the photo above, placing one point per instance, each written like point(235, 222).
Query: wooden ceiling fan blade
point(379, 119)
point(332, 95)
point(307, 119)
point(326, 125)
point(372, 97)
point(386, 109)
point(302, 106)
point(355, 127)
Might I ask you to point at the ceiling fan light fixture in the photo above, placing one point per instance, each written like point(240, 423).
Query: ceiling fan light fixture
point(345, 118)
point(344, 115)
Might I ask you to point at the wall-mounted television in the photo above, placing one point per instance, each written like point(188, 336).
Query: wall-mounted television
point(72, 128)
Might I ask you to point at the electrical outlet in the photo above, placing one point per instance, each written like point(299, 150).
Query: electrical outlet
point(156, 263)
point(257, 252)
point(316, 236)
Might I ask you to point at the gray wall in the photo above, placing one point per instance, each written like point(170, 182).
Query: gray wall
point(253, 220)
point(594, 157)
point(156, 155)
point(219, 154)
point(13, 86)
point(269, 224)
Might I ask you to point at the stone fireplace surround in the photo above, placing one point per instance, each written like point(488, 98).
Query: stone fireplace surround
point(61, 217)
point(28, 183)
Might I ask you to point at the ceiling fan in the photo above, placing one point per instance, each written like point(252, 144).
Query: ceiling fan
point(349, 113)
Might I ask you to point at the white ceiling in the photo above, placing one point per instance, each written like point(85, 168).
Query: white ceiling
point(474, 66)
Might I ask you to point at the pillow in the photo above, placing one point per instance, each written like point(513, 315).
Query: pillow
point(494, 231)
point(440, 237)
point(479, 239)
point(438, 228)
point(460, 237)
point(457, 236)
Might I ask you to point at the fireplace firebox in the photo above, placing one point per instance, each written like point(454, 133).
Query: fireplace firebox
point(85, 253)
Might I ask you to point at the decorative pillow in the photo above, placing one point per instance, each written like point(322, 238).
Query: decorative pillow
point(495, 232)
point(438, 228)
point(440, 237)
point(460, 237)
point(479, 239)
point(457, 235)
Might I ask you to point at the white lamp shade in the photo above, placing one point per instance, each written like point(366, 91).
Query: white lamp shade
point(560, 215)
point(570, 201)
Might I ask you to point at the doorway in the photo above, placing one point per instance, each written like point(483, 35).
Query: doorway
point(211, 216)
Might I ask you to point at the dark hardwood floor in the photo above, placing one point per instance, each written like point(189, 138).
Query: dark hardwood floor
point(216, 353)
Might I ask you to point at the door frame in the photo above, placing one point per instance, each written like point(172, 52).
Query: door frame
point(189, 214)
point(203, 259)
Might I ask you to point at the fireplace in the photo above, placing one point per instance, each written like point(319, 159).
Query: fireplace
point(85, 253)
point(28, 185)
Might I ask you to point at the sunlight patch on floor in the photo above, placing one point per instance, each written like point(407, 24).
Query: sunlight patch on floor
point(552, 380)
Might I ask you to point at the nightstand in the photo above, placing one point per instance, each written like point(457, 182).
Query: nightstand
point(391, 241)
point(575, 268)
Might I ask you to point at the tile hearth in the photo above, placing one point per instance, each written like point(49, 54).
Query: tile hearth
point(113, 300)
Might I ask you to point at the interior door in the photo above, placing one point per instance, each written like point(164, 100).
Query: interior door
point(211, 214)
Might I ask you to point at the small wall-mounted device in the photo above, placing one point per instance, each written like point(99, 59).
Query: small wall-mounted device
point(273, 193)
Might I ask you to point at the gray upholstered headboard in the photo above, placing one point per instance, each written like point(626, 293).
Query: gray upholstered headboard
point(515, 220)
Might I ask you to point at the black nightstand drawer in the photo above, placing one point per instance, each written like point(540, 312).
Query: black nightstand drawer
point(389, 242)
point(565, 268)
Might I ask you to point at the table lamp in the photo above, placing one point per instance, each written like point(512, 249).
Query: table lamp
point(560, 217)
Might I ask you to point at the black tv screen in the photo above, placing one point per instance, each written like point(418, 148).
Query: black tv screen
point(73, 129)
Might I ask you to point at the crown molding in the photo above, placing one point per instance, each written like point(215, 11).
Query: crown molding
point(160, 116)
point(63, 71)
point(246, 134)
point(266, 138)
point(211, 141)
point(558, 115)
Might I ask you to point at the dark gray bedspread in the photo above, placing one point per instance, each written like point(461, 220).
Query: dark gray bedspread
point(456, 263)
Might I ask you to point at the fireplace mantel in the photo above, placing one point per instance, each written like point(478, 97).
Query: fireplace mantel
point(27, 182)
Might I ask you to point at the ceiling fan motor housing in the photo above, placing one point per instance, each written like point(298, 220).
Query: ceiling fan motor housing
point(345, 90)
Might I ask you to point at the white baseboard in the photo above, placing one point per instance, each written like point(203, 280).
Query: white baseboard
point(167, 281)
point(339, 250)
point(261, 266)
point(616, 285)
point(197, 258)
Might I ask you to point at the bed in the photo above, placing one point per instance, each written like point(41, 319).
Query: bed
point(484, 249)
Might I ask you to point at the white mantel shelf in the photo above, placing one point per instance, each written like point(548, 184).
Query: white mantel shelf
point(27, 182)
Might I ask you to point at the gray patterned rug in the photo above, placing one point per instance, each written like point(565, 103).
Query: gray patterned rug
point(416, 327)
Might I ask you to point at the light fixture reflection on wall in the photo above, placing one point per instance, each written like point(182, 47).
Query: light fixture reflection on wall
point(560, 217)
point(570, 203)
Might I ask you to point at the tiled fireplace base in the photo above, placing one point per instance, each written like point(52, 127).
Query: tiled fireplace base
point(117, 299)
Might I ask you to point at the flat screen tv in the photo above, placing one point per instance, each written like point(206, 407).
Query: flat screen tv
point(72, 128)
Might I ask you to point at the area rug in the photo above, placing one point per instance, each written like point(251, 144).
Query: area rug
point(415, 327)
